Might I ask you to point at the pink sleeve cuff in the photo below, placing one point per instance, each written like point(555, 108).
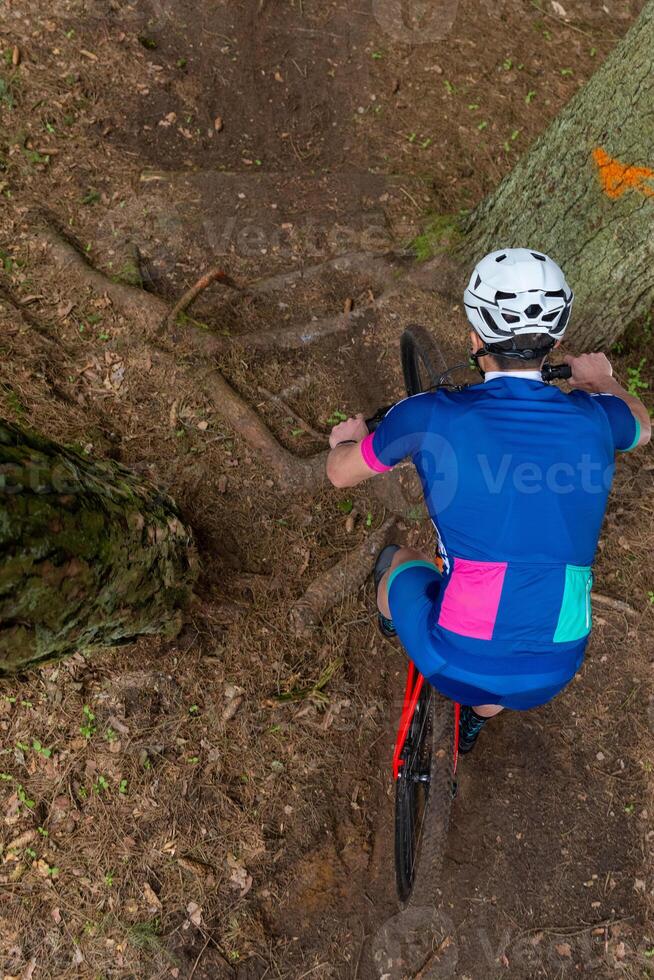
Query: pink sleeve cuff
point(370, 458)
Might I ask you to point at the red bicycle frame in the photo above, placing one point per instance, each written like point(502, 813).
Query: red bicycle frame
point(414, 685)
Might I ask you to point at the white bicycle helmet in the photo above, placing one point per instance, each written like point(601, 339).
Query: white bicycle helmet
point(516, 291)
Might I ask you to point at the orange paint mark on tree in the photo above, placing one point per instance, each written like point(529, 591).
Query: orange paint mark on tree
point(616, 178)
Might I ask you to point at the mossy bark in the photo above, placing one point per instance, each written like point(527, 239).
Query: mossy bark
point(90, 554)
point(584, 194)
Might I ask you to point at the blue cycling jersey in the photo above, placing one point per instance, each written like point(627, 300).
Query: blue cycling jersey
point(516, 476)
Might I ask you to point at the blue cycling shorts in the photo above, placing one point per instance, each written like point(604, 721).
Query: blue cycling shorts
point(514, 678)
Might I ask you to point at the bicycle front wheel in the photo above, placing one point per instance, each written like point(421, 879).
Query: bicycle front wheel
point(423, 363)
point(423, 799)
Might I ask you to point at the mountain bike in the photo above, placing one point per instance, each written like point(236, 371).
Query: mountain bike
point(426, 750)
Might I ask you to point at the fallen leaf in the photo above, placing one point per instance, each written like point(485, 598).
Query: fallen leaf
point(168, 119)
point(558, 9)
point(56, 915)
point(218, 124)
point(15, 56)
point(564, 949)
point(239, 877)
point(194, 913)
point(31, 966)
point(151, 897)
point(197, 867)
point(19, 842)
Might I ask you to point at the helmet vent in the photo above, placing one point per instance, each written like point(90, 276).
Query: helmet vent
point(478, 281)
point(533, 311)
point(550, 317)
point(490, 322)
point(541, 258)
point(510, 318)
point(500, 295)
point(557, 292)
point(500, 258)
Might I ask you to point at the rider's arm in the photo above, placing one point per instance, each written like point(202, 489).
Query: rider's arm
point(593, 373)
point(362, 454)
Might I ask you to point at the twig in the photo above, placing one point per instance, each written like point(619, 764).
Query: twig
point(560, 20)
point(270, 396)
point(411, 198)
point(195, 965)
point(182, 304)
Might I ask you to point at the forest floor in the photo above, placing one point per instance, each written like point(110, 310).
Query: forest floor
point(221, 806)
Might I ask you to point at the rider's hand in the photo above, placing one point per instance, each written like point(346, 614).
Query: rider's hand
point(354, 428)
point(590, 372)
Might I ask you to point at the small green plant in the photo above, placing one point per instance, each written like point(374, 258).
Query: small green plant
point(43, 832)
point(194, 709)
point(5, 777)
point(630, 807)
point(345, 506)
point(122, 787)
point(450, 88)
point(31, 853)
point(181, 62)
point(483, 124)
point(593, 52)
point(148, 42)
point(41, 749)
point(377, 55)
point(530, 96)
point(369, 519)
point(336, 417)
point(35, 157)
point(650, 598)
point(91, 197)
point(109, 879)
point(6, 95)
point(110, 735)
point(507, 64)
point(636, 383)
point(473, 106)
point(145, 935)
point(566, 71)
point(24, 798)
point(88, 727)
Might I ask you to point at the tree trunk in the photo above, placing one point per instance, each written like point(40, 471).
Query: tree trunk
point(584, 194)
point(90, 555)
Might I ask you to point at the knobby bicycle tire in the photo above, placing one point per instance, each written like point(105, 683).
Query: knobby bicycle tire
point(422, 805)
point(423, 363)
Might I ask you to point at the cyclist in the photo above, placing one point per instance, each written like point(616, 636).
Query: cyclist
point(516, 476)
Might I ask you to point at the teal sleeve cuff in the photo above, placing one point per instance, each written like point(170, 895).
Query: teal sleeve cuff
point(636, 438)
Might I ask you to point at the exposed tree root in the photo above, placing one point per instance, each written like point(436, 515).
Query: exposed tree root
point(309, 429)
point(617, 604)
point(149, 312)
point(304, 474)
point(143, 308)
point(386, 269)
point(214, 275)
point(347, 576)
point(7, 296)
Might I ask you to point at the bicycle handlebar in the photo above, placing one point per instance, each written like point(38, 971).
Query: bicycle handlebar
point(551, 372)
point(556, 372)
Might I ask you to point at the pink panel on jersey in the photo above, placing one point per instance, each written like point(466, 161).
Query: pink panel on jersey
point(472, 598)
point(369, 457)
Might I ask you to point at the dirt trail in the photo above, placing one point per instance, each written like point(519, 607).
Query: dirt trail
point(267, 135)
